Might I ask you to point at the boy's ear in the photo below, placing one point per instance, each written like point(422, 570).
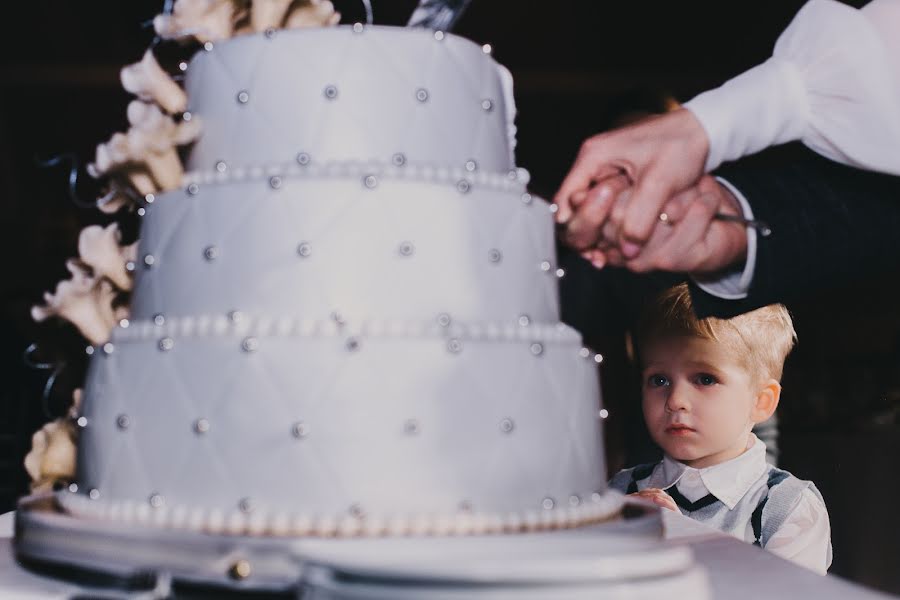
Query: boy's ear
point(766, 401)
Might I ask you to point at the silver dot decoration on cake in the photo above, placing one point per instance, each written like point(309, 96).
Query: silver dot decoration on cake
point(507, 425)
point(471, 166)
point(487, 105)
point(548, 503)
point(439, 35)
point(560, 273)
point(358, 28)
point(221, 166)
point(123, 422)
point(598, 358)
point(149, 260)
point(243, 97)
point(89, 350)
point(406, 249)
point(141, 211)
point(73, 487)
point(304, 249)
point(454, 346)
point(94, 494)
point(527, 198)
point(330, 92)
point(210, 253)
point(338, 318)
point(186, 116)
point(603, 413)
point(250, 344)
point(193, 189)
point(494, 255)
point(574, 500)
point(536, 348)
point(156, 500)
point(270, 33)
point(275, 182)
point(444, 320)
point(235, 316)
point(398, 159)
point(370, 181)
point(130, 266)
point(124, 323)
point(159, 319)
point(166, 344)
point(524, 320)
point(299, 430)
point(149, 198)
point(245, 505)
point(82, 422)
point(463, 186)
point(553, 208)
point(584, 353)
point(108, 348)
point(596, 497)
point(182, 66)
point(303, 159)
point(208, 46)
point(545, 265)
point(422, 95)
point(352, 344)
point(411, 427)
point(487, 48)
point(201, 426)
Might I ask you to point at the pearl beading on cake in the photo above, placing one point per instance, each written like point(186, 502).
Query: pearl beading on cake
point(246, 519)
point(369, 172)
point(167, 330)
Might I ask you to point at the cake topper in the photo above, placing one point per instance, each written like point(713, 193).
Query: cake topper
point(439, 15)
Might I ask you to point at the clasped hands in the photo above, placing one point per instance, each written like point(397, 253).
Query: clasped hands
point(637, 197)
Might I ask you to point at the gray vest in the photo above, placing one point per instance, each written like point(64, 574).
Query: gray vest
point(756, 516)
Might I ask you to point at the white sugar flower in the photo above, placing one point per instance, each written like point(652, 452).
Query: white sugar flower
point(147, 80)
point(268, 14)
point(313, 13)
point(205, 20)
point(52, 455)
point(83, 300)
point(99, 248)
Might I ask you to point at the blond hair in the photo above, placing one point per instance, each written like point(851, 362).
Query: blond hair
point(761, 338)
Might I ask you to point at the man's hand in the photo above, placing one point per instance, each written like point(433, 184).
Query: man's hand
point(662, 156)
point(657, 497)
point(686, 237)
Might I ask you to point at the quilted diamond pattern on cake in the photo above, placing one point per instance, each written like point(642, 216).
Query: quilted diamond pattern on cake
point(288, 112)
point(353, 264)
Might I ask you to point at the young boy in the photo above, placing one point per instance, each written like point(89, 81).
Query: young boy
point(705, 384)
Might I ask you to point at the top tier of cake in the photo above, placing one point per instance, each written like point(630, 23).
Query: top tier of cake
point(372, 94)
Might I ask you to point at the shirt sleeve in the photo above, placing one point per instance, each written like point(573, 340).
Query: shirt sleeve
point(805, 536)
point(833, 82)
point(734, 284)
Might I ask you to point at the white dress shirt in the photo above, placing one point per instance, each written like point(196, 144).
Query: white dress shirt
point(833, 82)
point(804, 537)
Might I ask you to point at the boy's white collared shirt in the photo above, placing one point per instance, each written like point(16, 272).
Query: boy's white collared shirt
point(805, 536)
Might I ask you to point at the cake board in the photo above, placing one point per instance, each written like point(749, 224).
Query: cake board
point(620, 558)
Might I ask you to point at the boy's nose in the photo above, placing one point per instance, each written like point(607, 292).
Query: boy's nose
point(677, 399)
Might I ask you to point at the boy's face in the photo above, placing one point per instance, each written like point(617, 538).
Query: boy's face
point(698, 400)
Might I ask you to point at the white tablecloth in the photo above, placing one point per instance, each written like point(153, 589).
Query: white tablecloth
point(738, 571)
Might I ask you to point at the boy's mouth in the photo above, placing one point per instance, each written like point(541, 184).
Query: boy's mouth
point(679, 429)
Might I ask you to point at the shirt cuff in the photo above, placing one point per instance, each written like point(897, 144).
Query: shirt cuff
point(734, 284)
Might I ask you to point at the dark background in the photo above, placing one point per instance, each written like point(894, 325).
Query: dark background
point(577, 65)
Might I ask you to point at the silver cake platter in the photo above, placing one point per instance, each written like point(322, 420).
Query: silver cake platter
point(621, 558)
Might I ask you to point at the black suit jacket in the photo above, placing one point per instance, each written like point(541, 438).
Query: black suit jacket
point(831, 225)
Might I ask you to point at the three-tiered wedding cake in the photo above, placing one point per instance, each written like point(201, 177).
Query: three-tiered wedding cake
point(346, 321)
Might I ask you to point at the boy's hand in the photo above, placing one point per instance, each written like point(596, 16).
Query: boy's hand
point(657, 497)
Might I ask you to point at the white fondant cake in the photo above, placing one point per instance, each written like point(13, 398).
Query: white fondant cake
point(347, 320)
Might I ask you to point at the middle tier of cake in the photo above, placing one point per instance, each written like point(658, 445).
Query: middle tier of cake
point(357, 241)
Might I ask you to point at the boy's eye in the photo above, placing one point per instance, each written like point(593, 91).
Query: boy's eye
point(706, 379)
point(657, 381)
